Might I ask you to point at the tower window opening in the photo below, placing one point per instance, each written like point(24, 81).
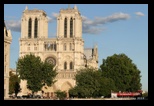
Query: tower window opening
point(35, 28)
point(65, 65)
point(65, 28)
point(29, 28)
point(71, 65)
point(71, 28)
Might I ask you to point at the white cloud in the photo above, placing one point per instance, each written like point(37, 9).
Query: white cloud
point(49, 19)
point(139, 14)
point(93, 26)
point(55, 15)
point(84, 18)
point(13, 25)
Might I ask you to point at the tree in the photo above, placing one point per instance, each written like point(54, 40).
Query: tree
point(17, 88)
point(107, 85)
point(36, 72)
point(14, 86)
point(61, 94)
point(122, 71)
point(90, 83)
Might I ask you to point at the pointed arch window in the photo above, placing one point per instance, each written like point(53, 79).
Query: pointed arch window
point(35, 28)
point(71, 28)
point(65, 28)
point(65, 65)
point(71, 65)
point(29, 28)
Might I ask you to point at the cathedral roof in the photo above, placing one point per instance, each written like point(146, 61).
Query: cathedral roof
point(34, 11)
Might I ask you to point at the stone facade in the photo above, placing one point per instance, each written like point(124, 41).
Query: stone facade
point(66, 51)
point(7, 42)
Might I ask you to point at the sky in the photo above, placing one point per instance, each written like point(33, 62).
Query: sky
point(114, 28)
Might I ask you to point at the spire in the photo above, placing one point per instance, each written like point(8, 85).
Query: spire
point(75, 7)
point(26, 8)
point(95, 52)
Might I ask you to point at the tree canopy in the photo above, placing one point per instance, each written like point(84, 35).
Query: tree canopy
point(122, 71)
point(36, 72)
point(14, 86)
point(117, 73)
point(91, 83)
point(61, 94)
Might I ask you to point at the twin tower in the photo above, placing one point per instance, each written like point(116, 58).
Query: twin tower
point(66, 51)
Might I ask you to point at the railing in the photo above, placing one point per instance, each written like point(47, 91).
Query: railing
point(66, 74)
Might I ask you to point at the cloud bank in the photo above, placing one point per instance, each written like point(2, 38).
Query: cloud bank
point(13, 25)
point(93, 26)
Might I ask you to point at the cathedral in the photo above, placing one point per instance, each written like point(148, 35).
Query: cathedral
point(66, 51)
point(7, 42)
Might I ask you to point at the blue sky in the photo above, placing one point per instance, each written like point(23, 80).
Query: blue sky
point(115, 28)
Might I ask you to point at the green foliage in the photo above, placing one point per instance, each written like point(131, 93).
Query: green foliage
point(91, 83)
point(122, 71)
point(17, 88)
point(61, 94)
point(117, 73)
point(48, 75)
point(36, 72)
point(14, 86)
point(73, 92)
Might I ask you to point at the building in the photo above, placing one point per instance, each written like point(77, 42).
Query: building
point(65, 51)
point(7, 42)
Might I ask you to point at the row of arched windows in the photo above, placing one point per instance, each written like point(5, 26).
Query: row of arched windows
point(30, 28)
point(70, 65)
point(65, 28)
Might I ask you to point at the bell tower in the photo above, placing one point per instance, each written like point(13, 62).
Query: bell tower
point(69, 35)
point(34, 24)
point(34, 29)
point(69, 23)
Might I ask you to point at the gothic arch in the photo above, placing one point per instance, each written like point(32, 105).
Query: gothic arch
point(66, 86)
point(71, 27)
point(30, 27)
point(65, 27)
point(36, 28)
